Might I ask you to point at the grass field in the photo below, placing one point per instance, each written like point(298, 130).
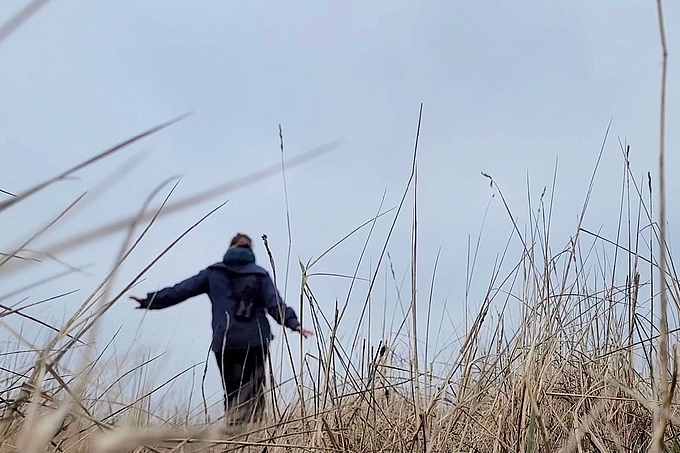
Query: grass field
point(577, 371)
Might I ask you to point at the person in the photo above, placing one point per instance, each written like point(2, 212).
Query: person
point(242, 294)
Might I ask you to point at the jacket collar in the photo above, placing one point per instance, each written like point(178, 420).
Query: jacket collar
point(239, 256)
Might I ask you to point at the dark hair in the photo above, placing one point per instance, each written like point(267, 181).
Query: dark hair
point(241, 240)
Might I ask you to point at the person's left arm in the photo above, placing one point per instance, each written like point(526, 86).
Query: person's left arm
point(167, 297)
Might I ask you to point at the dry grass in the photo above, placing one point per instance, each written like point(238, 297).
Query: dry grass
point(576, 371)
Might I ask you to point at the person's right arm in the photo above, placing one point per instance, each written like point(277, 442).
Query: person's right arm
point(278, 310)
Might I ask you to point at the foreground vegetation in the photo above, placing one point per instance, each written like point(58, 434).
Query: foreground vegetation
point(561, 356)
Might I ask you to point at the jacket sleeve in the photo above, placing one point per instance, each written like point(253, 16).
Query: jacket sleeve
point(276, 307)
point(167, 297)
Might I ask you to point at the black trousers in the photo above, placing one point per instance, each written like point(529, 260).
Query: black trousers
point(243, 374)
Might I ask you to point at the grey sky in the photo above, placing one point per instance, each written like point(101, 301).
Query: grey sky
point(507, 88)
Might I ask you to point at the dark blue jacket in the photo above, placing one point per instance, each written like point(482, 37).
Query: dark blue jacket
point(221, 282)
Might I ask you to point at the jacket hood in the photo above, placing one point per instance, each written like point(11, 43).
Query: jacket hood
point(240, 260)
point(239, 256)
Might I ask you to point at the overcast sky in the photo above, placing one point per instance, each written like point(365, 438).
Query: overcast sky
point(508, 88)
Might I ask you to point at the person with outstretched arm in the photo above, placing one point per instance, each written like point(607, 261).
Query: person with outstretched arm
point(242, 294)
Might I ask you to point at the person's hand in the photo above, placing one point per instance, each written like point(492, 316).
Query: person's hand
point(140, 300)
point(306, 333)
